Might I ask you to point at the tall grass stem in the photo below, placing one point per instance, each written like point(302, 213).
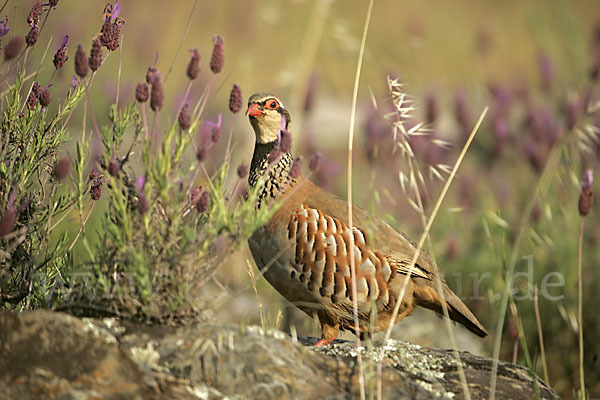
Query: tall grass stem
point(580, 308)
point(538, 322)
point(361, 379)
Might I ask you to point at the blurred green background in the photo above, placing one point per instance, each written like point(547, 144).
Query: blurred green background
point(518, 57)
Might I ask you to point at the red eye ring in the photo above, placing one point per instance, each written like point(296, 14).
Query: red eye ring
point(272, 104)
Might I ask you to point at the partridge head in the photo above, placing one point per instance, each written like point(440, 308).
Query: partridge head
point(305, 249)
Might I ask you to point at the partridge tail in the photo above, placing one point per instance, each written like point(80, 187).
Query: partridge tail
point(426, 296)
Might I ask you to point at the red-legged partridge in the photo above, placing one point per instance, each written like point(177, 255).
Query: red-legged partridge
point(304, 248)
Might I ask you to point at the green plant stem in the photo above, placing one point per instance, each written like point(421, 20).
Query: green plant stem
point(3, 6)
point(51, 212)
point(64, 215)
point(228, 148)
point(82, 226)
point(153, 133)
point(45, 19)
point(538, 322)
point(119, 72)
point(93, 114)
point(145, 120)
point(523, 340)
point(580, 309)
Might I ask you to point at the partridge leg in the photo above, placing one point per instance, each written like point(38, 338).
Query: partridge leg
point(328, 333)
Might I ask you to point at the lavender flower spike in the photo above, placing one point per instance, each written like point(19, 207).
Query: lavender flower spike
point(216, 130)
point(586, 198)
point(4, 28)
point(140, 183)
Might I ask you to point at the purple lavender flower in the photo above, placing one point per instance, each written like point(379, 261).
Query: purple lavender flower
point(13, 47)
point(143, 204)
point(74, 81)
point(501, 131)
point(235, 99)
point(140, 183)
point(286, 141)
point(141, 92)
point(595, 67)
point(315, 161)
point(157, 94)
point(203, 202)
point(116, 11)
point(431, 107)
point(216, 130)
point(34, 95)
point(95, 59)
point(32, 36)
point(44, 96)
point(534, 153)
point(150, 73)
point(193, 68)
point(8, 221)
point(111, 29)
point(33, 19)
point(201, 153)
point(296, 167)
point(546, 72)
point(82, 66)
point(242, 171)
point(217, 58)
point(97, 180)
point(4, 28)
point(61, 168)
point(184, 118)
point(195, 195)
point(274, 155)
point(502, 96)
point(586, 198)
point(375, 131)
point(114, 167)
point(60, 57)
point(463, 115)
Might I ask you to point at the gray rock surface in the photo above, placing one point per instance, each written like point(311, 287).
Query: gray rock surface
point(58, 356)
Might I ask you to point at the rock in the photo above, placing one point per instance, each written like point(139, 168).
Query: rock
point(58, 356)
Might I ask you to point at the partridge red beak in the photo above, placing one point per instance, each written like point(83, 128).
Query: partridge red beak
point(254, 110)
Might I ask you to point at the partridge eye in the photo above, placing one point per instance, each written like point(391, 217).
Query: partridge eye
point(273, 104)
